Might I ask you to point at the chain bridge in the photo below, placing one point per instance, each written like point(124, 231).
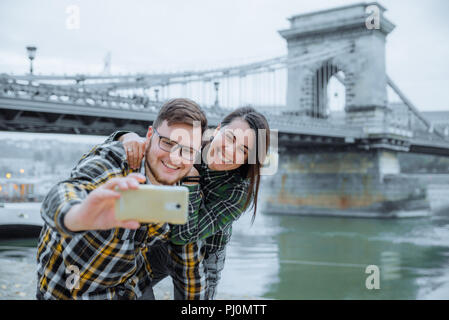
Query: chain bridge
point(338, 131)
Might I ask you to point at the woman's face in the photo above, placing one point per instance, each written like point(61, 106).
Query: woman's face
point(231, 146)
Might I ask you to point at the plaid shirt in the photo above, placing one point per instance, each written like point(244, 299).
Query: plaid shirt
point(108, 264)
point(224, 195)
point(210, 225)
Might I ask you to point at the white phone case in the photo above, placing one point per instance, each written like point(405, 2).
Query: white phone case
point(151, 203)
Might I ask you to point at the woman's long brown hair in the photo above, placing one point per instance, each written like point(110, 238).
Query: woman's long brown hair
point(256, 121)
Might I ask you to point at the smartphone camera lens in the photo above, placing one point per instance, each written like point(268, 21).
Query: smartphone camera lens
point(178, 206)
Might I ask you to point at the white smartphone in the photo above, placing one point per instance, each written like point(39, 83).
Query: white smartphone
point(151, 203)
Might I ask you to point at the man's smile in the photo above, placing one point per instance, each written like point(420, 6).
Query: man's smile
point(169, 166)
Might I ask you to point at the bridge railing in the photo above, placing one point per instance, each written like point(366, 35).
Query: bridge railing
point(77, 96)
point(10, 88)
point(334, 125)
point(52, 93)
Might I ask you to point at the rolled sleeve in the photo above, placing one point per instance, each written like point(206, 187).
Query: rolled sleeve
point(58, 202)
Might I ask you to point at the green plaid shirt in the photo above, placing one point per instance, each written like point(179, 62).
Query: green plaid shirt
point(224, 195)
point(107, 264)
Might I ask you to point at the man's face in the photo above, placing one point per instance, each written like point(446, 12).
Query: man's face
point(170, 167)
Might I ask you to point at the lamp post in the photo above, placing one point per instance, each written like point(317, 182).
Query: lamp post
point(31, 54)
point(216, 86)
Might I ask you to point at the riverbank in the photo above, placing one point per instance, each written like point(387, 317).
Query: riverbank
point(18, 282)
point(18, 278)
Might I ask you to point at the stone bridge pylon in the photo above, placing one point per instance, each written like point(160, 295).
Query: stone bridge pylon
point(359, 55)
point(360, 178)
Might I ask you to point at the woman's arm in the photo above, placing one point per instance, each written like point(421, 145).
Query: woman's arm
point(134, 148)
point(133, 144)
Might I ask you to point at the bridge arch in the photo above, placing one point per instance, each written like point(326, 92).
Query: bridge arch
point(321, 80)
point(331, 41)
point(321, 95)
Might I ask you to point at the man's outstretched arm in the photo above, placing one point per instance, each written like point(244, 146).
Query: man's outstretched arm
point(85, 201)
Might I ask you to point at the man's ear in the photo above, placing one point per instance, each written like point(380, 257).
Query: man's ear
point(148, 137)
point(149, 132)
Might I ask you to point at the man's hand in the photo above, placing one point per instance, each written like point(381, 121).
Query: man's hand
point(97, 211)
point(135, 149)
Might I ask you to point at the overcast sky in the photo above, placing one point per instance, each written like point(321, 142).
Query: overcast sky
point(167, 35)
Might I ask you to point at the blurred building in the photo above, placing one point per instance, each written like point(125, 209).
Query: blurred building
point(25, 189)
point(17, 190)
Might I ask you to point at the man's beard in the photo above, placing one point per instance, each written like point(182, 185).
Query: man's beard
point(155, 174)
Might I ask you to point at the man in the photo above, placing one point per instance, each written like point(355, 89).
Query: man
point(83, 251)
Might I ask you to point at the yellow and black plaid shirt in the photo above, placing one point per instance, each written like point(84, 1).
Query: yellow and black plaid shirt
point(108, 264)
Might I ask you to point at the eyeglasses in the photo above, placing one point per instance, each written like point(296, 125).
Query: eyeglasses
point(169, 145)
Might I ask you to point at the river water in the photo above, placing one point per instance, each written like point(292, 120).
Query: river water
point(297, 257)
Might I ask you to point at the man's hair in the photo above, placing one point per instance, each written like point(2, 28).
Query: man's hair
point(181, 110)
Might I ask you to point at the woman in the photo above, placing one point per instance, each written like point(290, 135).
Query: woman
point(229, 181)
